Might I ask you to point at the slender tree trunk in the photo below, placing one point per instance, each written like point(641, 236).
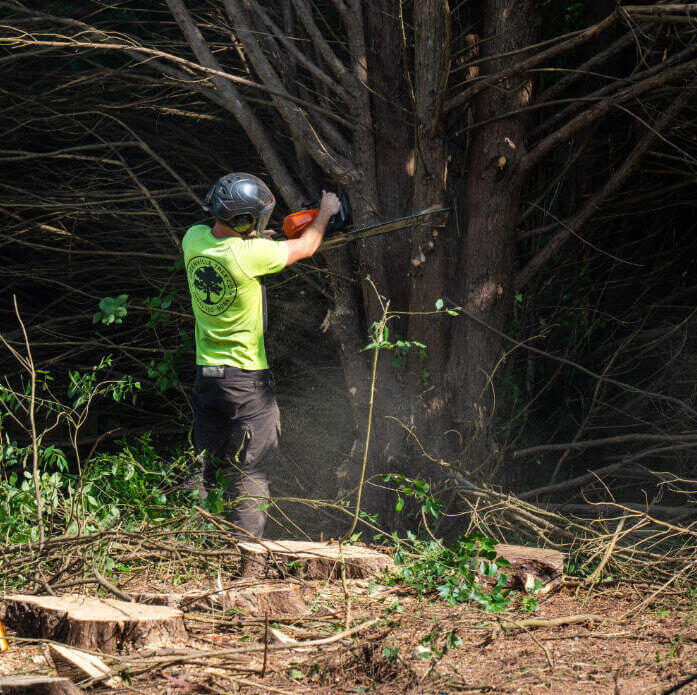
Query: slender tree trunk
point(428, 248)
point(487, 254)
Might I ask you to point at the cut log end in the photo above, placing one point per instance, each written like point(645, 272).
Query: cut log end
point(78, 665)
point(315, 560)
point(90, 623)
point(538, 570)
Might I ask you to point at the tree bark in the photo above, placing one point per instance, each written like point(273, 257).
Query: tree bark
point(428, 249)
point(492, 208)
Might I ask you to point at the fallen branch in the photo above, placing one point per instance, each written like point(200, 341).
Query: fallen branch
point(553, 622)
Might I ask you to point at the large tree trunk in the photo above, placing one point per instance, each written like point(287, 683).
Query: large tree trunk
point(487, 253)
point(429, 250)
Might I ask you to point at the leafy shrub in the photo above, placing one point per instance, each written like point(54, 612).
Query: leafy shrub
point(111, 310)
point(130, 487)
point(453, 573)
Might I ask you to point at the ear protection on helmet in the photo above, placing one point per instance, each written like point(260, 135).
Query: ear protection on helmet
point(243, 224)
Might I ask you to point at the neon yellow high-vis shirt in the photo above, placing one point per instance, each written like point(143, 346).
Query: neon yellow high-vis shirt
point(223, 277)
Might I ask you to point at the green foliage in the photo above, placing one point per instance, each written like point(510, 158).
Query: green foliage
point(529, 603)
point(156, 306)
point(451, 310)
point(111, 310)
point(164, 373)
point(573, 14)
point(438, 643)
point(379, 340)
point(417, 490)
point(390, 653)
point(452, 573)
point(129, 487)
point(85, 386)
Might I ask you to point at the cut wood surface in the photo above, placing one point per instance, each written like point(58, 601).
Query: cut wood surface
point(274, 598)
point(530, 564)
point(316, 560)
point(37, 685)
point(78, 665)
point(278, 599)
point(105, 625)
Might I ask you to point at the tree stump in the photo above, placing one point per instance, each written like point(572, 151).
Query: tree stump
point(314, 560)
point(531, 564)
point(274, 598)
point(37, 685)
point(104, 625)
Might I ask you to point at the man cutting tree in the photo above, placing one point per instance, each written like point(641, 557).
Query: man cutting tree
point(236, 418)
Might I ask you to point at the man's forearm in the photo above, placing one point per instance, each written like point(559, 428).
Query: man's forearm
point(314, 234)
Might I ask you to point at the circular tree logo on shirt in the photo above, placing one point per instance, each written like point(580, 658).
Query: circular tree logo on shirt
point(212, 287)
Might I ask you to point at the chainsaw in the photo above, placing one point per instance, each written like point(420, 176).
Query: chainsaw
point(340, 230)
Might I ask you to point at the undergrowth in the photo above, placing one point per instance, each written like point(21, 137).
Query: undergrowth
point(134, 487)
point(128, 488)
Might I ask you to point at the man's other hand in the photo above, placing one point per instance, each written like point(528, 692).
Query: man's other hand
point(330, 203)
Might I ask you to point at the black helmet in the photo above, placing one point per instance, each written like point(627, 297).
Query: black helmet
point(242, 201)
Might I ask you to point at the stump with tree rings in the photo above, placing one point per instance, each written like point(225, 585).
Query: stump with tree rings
point(104, 625)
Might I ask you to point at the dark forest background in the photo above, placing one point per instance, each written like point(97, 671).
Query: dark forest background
point(562, 135)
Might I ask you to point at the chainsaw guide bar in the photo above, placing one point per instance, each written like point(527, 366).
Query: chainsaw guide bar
point(434, 216)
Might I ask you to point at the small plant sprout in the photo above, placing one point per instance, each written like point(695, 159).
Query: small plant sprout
point(112, 310)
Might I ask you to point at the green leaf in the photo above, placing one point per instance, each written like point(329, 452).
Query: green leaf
point(399, 505)
point(296, 675)
point(439, 304)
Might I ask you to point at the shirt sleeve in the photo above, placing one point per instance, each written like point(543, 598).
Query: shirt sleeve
point(263, 257)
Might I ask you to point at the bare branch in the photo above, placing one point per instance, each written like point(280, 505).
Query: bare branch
point(236, 104)
point(299, 55)
point(305, 14)
point(612, 186)
point(532, 62)
point(332, 162)
point(563, 115)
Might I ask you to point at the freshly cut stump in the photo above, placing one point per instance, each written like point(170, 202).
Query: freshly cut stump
point(272, 597)
point(85, 622)
point(37, 685)
point(275, 599)
point(530, 564)
point(315, 560)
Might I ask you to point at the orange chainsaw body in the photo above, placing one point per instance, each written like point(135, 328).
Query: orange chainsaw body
point(297, 222)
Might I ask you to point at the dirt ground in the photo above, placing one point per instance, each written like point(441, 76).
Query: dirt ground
point(404, 651)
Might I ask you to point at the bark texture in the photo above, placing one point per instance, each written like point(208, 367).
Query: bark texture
point(492, 210)
point(101, 625)
point(317, 560)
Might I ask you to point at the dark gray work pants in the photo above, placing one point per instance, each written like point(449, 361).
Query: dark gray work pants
point(236, 427)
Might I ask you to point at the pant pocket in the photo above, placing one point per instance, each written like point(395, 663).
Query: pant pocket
point(239, 446)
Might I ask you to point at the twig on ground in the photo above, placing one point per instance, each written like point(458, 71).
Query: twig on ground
point(103, 581)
